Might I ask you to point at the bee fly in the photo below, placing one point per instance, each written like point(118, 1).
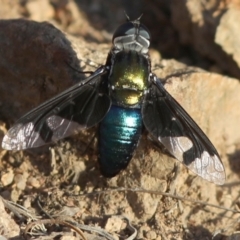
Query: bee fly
point(122, 96)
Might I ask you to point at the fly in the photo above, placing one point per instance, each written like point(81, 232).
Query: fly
point(123, 97)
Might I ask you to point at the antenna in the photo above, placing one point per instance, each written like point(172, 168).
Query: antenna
point(136, 20)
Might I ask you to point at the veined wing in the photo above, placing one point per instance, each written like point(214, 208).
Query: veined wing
point(81, 106)
point(171, 125)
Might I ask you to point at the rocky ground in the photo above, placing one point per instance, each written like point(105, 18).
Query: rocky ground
point(59, 189)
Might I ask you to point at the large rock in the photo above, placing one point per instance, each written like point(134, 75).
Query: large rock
point(209, 26)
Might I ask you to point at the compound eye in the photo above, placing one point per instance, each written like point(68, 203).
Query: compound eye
point(123, 30)
point(129, 28)
point(144, 32)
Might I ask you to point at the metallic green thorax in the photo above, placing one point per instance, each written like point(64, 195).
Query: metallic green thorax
point(129, 78)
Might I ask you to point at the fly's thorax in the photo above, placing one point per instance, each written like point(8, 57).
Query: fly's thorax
point(128, 78)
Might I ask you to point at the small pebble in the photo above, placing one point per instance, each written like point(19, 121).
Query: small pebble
point(113, 224)
point(7, 178)
point(20, 181)
point(151, 235)
point(34, 182)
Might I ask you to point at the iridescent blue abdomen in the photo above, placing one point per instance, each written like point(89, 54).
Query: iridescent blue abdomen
point(119, 134)
point(121, 128)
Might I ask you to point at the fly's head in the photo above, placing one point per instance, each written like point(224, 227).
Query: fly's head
point(131, 36)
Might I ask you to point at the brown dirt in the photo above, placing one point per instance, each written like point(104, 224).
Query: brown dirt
point(63, 182)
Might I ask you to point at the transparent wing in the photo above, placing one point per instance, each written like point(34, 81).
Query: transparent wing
point(171, 125)
point(81, 106)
